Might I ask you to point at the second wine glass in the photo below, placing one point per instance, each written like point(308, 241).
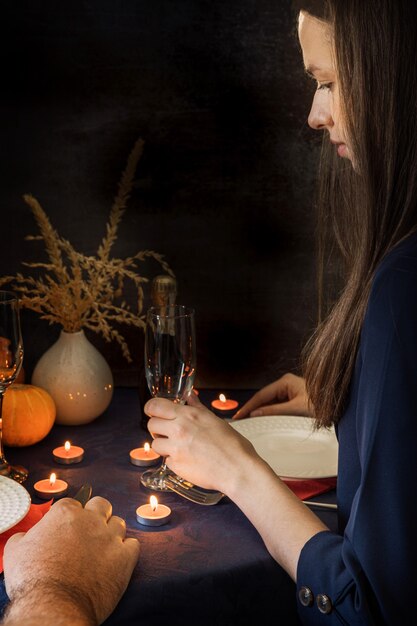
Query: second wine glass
point(11, 358)
point(170, 362)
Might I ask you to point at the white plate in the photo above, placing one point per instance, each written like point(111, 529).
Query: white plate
point(14, 503)
point(290, 446)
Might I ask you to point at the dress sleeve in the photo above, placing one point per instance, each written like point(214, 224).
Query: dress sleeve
point(368, 575)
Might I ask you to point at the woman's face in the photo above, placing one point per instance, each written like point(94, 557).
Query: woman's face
point(316, 39)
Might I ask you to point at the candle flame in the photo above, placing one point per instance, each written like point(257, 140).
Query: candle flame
point(52, 479)
point(67, 446)
point(146, 447)
point(154, 503)
point(222, 397)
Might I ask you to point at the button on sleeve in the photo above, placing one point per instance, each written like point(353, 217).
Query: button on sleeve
point(305, 596)
point(324, 604)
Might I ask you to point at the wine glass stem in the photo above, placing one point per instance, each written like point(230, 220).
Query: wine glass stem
point(3, 463)
point(16, 472)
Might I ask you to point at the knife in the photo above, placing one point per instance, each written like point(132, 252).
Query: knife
point(321, 505)
point(84, 494)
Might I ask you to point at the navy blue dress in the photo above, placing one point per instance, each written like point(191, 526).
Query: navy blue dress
point(368, 572)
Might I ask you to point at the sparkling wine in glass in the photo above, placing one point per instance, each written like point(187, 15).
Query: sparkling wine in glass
point(11, 358)
point(170, 362)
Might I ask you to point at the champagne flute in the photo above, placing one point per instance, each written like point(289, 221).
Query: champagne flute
point(170, 361)
point(11, 357)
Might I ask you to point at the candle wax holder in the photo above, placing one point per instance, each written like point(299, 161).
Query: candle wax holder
point(224, 407)
point(75, 454)
point(143, 458)
point(147, 516)
point(46, 490)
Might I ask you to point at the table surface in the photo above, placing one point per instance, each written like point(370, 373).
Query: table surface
point(207, 566)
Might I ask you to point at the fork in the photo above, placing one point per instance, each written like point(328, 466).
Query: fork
point(84, 494)
point(321, 505)
point(191, 492)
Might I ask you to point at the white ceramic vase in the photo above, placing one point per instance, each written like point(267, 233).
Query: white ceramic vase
point(77, 377)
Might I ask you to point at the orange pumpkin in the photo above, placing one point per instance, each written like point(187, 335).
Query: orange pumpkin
point(28, 415)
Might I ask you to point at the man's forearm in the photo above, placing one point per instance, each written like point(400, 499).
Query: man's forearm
point(49, 605)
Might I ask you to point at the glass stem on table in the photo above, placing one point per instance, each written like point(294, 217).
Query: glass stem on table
point(11, 357)
point(4, 466)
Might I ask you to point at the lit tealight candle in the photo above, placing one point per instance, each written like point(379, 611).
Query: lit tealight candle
point(144, 456)
point(51, 487)
point(224, 405)
point(68, 454)
point(153, 514)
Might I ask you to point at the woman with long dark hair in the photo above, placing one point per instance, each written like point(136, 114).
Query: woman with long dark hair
point(360, 367)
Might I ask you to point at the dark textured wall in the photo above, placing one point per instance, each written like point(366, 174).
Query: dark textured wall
point(224, 188)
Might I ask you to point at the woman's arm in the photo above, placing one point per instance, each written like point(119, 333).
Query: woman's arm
point(207, 451)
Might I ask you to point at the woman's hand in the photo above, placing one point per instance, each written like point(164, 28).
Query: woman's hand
point(209, 452)
point(285, 396)
point(198, 445)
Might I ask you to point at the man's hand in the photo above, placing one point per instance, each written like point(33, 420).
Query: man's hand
point(71, 568)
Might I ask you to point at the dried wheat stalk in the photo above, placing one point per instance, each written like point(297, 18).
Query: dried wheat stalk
point(79, 291)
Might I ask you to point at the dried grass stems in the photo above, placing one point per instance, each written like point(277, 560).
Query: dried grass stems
point(79, 291)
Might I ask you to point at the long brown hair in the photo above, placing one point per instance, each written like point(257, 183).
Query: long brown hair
point(368, 209)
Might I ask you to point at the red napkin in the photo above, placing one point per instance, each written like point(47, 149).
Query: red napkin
point(36, 512)
point(307, 488)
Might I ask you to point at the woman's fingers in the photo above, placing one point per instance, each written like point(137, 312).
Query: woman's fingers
point(287, 395)
point(264, 396)
point(160, 407)
point(283, 408)
point(193, 400)
point(164, 413)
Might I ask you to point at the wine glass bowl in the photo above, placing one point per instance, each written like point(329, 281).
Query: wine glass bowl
point(170, 362)
point(11, 358)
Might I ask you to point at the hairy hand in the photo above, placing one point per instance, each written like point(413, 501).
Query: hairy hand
point(81, 555)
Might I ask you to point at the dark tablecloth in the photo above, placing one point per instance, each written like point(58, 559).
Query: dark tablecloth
point(207, 567)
